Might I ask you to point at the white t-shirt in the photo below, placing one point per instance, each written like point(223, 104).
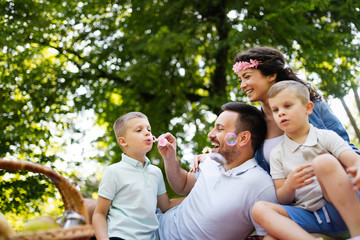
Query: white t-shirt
point(269, 145)
point(220, 203)
point(288, 155)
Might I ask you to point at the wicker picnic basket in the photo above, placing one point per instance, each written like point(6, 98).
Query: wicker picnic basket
point(71, 197)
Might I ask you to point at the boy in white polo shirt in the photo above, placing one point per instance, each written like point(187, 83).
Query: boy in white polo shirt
point(131, 189)
point(308, 202)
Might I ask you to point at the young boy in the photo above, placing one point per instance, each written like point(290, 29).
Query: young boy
point(309, 171)
point(131, 189)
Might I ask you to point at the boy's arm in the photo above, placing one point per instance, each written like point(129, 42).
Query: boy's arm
point(165, 203)
point(351, 160)
point(99, 218)
point(285, 187)
point(180, 180)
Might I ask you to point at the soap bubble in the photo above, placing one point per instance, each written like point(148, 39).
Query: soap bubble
point(230, 139)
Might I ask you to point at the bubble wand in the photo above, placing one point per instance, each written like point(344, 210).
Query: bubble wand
point(161, 141)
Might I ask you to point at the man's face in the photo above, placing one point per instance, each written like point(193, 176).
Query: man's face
point(224, 124)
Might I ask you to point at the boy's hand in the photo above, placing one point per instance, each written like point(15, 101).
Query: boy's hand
point(354, 171)
point(300, 177)
point(168, 151)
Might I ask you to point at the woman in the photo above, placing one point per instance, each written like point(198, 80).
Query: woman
point(261, 67)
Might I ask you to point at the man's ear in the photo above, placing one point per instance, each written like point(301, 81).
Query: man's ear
point(243, 138)
point(309, 107)
point(122, 142)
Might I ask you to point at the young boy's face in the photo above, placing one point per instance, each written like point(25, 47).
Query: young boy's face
point(289, 113)
point(138, 137)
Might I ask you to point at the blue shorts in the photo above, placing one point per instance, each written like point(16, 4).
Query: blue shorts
point(317, 222)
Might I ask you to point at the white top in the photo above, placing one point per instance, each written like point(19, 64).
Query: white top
point(288, 155)
point(133, 190)
point(269, 145)
point(220, 203)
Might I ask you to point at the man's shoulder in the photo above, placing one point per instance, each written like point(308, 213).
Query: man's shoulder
point(261, 173)
point(258, 174)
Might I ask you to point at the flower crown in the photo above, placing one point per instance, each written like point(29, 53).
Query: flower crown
point(240, 66)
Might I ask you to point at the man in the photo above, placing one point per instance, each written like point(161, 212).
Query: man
point(220, 198)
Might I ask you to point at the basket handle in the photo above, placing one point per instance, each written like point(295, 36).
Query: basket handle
point(71, 197)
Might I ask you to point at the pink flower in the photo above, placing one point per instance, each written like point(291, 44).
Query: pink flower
point(240, 66)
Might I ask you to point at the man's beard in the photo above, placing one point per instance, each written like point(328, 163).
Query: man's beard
point(230, 153)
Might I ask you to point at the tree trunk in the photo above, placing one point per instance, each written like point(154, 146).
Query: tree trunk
point(352, 120)
point(357, 99)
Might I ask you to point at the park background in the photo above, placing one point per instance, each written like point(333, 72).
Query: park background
point(69, 69)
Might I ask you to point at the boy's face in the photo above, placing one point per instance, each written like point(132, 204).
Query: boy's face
point(138, 137)
point(289, 113)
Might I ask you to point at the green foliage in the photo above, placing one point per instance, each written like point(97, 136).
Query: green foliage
point(170, 59)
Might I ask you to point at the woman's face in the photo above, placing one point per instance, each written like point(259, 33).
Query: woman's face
point(255, 84)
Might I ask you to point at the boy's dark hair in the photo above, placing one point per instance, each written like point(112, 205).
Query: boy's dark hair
point(250, 119)
point(272, 61)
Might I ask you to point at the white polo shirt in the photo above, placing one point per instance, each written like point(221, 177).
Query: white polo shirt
point(220, 203)
point(133, 190)
point(288, 155)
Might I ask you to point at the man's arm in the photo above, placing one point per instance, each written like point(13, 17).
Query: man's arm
point(179, 179)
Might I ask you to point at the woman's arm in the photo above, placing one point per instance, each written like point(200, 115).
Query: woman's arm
point(322, 117)
point(351, 161)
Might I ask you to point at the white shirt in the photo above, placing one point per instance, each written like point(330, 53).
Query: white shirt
point(269, 145)
point(220, 203)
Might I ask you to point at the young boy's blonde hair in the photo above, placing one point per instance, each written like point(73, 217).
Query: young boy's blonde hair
point(120, 123)
point(299, 89)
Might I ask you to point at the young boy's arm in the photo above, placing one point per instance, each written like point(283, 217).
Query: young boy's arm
point(351, 160)
point(285, 187)
point(99, 218)
point(165, 203)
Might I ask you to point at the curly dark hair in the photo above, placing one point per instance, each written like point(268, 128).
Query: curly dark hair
point(272, 61)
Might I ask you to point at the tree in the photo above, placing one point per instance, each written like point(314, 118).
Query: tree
point(170, 59)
